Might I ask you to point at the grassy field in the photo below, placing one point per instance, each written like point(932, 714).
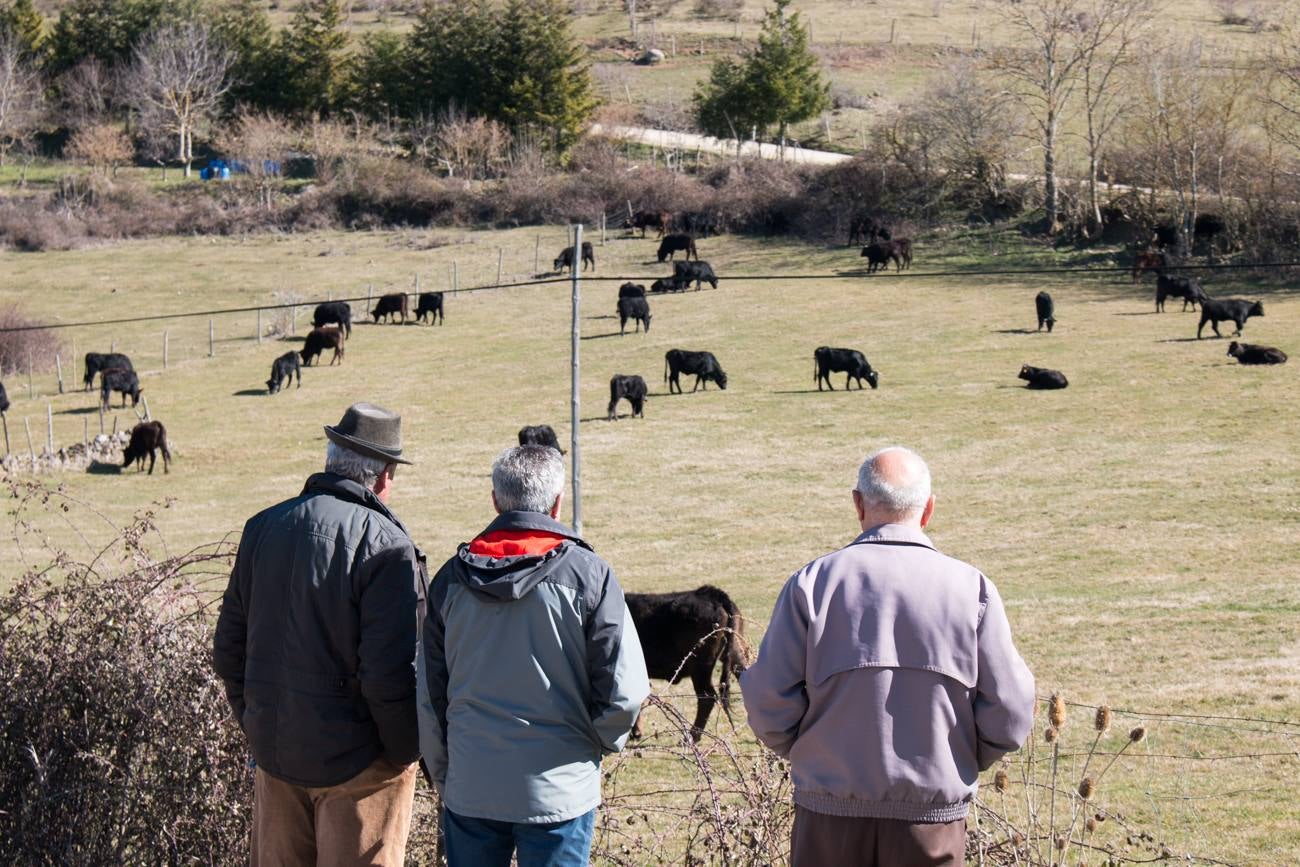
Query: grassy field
point(1142, 525)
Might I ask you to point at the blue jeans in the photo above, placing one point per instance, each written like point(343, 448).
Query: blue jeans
point(487, 843)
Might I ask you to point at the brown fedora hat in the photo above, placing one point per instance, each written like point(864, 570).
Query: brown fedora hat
point(371, 431)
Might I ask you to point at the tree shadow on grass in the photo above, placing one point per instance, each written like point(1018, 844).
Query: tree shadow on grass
point(249, 392)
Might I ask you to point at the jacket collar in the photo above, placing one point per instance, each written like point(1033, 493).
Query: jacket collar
point(896, 534)
point(346, 489)
point(518, 520)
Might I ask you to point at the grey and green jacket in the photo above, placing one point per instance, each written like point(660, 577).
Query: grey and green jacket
point(532, 671)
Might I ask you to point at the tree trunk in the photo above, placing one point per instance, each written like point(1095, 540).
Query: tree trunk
point(1051, 196)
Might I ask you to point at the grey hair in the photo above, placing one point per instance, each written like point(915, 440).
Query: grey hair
point(527, 478)
point(362, 469)
point(903, 498)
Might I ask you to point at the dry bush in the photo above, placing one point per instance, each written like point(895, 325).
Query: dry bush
point(761, 196)
point(471, 147)
point(21, 349)
point(101, 146)
point(116, 738)
point(729, 10)
point(27, 225)
point(373, 192)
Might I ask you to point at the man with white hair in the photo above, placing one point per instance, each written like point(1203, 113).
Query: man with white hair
point(889, 679)
point(316, 647)
point(533, 671)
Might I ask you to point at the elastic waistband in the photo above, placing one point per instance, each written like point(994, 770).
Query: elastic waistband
point(902, 811)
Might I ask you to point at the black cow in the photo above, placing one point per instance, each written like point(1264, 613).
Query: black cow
point(1186, 288)
point(669, 246)
point(146, 438)
point(333, 313)
point(283, 370)
point(4, 399)
point(97, 361)
point(902, 248)
point(565, 259)
point(430, 305)
point(631, 290)
point(702, 364)
point(631, 387)
point(665, 285)
point(539, 435)
point(643, 220)
point(1215, 311)
point(124, 382)
point(391, 305)
point(320, 339)
point(850, 362)
point(1046, 309)
point(698, 272)
point(688, 634)
point(864, 228)
point(1042, 377)
point(1245, 353)
point(698, 224)
point(1209, 226)
point(637, 309)
point(879, 254)
point(1165, 235)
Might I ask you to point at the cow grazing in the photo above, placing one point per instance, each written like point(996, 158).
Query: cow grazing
point(684, 273)
point(698, 224)
point(539, 435)
point(97, 361)
point(637, 309)
point(669, 246)
point(1238, 311)
point(283, 370)
point(430, 305)
point(1046, 309)
point(665, 285)
point(320, 339)
point(4, 399)
point(827, 360)
point(147, 438)
point(1186, 288)
point(1245, 353)
point(124, 382)
point(1150, 260)
point(565, 259)
point(333, 313)
point(631, 290)
point(1042, 377)
point(865, 229)
point(631, 387)
point(687, 634)
point(701, 364)
point(391, 305)
point(902, 248)
point(878, 255)
point(657, 220)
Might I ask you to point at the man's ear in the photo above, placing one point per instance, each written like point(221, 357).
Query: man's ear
point(928, 512)
point(494, 502)
point(555, 507)
point(858, 507)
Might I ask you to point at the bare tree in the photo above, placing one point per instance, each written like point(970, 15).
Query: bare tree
point(260, 142)
point(1044, 75)
point(177, 77)
point(103, 147)
point(1105, 39)
point(20, 95)
point(85, 95)
point(1283, 91)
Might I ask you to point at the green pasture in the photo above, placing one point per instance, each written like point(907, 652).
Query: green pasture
point(1142, 525)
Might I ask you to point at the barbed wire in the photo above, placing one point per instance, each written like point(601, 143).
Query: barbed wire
point(592, 278)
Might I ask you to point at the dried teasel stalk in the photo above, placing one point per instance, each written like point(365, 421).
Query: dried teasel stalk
point(1137, 735)
point(1050, 734)
point(1090, 825)
point(1001, 780)
point(1101, 722)
point(1056, 710)
point(1087, 787)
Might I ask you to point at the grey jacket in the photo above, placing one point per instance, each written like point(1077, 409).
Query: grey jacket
point(889, 678)
point(533, 671)
point(317, 635)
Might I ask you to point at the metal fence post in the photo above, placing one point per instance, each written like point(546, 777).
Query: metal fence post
point(574, 342)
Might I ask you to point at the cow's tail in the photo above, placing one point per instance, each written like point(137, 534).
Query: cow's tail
point(733, 654)
point(665, 368)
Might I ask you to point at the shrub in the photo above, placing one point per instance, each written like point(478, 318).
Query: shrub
point(116, 740)
point(20, 348)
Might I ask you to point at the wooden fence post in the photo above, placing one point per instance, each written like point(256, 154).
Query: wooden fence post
point(101, 419)
point(31, 391)
point(58, 366)
point(602, 230)
point(212, 338)
point(455, 277)
point(893, 24)
point(259, 325)
point(501, 254)
point(537, 255)
point(31, 449)
point(74, 361)
point(49, 428)
point(4, 422)
point(113, 346)
point(164, 353)
point(85, 435)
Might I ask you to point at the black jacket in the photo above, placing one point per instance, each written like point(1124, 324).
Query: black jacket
point(317, 634)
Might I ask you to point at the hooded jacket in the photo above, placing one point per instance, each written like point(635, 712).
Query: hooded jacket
point(889, 679)
point(317, 635)
point(533, 672)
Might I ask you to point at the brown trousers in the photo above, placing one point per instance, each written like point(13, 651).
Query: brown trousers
point(360, 823)
point(820, 840)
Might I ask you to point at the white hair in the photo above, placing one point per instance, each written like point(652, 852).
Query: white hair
point(362, 469)
point(901, 497)
point(527, 478)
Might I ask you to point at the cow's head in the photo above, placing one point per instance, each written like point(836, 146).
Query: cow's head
point(375, 313)
point(1234, 349)
point(864, 250)
point(873, 379)
point(722, 379)
point(1256, 309)
point(1026, 371)
point(272, 385)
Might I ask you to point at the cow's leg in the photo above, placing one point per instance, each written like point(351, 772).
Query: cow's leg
point(153, 459)
point(848, 379)
point(706, 695)
point(1241, 323)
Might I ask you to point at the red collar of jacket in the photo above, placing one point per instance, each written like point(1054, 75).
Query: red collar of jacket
point(515, 543)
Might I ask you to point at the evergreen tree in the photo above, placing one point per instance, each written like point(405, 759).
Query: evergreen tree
point(544, 81)
point(107, 30)
point(315, 59)
point(379, 84)
point(21, 21)
point(451, 55)
point(245, 29)
point(779, 83)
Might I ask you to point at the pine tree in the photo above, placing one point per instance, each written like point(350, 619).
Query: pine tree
point(245, 29)
point(379, 84)
point(546, 82)
point(779, 83)
point(21, 21)
point(315, 59)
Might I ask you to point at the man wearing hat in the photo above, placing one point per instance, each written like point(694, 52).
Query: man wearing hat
point(316, 646)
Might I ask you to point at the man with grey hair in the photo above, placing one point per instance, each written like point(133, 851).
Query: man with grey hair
point(889, 679)
point(533, 672)
point(316, 647)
